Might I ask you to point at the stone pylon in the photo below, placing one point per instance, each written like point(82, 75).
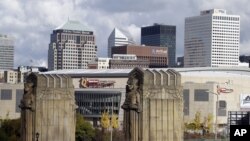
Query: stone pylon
point(153, 108)
point(48, 108)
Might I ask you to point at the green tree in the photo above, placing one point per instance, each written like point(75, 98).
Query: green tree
point(84, 130)
point(10, 129)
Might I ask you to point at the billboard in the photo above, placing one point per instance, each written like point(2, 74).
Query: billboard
point(95, 83)
point(245, 101)
point(159, 51)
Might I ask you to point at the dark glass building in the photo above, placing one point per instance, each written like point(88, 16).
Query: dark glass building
point(163, 36)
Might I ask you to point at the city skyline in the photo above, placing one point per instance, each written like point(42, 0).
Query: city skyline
point(32, 22)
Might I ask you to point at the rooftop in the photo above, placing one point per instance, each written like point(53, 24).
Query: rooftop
point(202, 71)
point(73, 25)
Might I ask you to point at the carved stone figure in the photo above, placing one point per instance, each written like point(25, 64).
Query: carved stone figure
point(153, 106)
point(28, 98)
point(132, 109)
point(132, 101)
point(27, 112)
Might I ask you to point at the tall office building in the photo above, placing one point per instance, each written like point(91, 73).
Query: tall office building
point(72, 46)
point(6, 52)
point(212, 39)
point(118, 38)
point(163, 36)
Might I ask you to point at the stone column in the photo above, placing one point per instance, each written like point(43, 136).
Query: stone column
point(153, 107)
point(48, 108)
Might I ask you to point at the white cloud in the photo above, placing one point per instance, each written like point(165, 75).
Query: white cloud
point(135, 31)
point(245, 48)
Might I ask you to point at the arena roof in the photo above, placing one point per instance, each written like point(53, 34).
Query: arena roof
point(203, 71)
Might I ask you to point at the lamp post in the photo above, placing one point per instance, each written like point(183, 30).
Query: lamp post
point(219, 90)
point(37, 136)
point(216, 107)
point(111, 132)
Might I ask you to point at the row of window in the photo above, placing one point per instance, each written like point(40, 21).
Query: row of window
point(233, 42)
point(227, 31)
point(226, 18)
point(225, 28)
point(75, 37)
point(225, 22)
point(226, 25)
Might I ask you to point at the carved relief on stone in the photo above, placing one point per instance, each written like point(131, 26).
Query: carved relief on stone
point(175, 92)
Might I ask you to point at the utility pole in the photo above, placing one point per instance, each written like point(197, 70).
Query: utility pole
point(111, 130)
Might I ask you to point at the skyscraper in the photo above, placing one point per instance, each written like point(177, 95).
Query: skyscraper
point(212, 39)
point(163, 36)
point(118, 38)
point(72, 46)
point(6, 52)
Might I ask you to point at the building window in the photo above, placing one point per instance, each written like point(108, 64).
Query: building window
point(6, 94)
point(186, 101)
point(19, 95)
point(201, 95)
point(222, 109)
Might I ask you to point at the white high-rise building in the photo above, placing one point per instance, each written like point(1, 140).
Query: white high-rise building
point(212, 39)
point(118, 38)
point(72, 46)
point(6, 52)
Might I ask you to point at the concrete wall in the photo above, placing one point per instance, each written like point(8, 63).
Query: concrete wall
point(8, 108)
point(209, 80)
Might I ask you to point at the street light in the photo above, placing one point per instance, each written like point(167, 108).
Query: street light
point(219, 90)
point(37, 136)
point(216, 113)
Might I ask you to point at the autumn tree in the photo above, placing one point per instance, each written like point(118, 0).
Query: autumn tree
point(115, 121)
point(209, 122)
point(197, 120)
point(105, 122)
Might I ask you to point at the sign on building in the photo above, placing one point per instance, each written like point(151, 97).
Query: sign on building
point(245, 101)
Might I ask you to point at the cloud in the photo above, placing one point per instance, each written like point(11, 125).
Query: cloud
point(32, 22)
point(125, 6)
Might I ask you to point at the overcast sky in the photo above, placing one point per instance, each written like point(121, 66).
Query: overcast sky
point(31, 21)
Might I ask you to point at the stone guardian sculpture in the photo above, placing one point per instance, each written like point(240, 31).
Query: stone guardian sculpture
point(132, 109)
point(27, 112)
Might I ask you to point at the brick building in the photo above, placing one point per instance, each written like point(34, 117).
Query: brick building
point(156, 56)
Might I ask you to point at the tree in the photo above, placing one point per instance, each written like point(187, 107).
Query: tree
point(105, 122)
point(197, 120)
point(115, 121)
point(84, 130)
point(209, 122)
point(10, 129)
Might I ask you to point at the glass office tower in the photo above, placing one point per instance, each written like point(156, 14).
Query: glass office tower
point(163, 36)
